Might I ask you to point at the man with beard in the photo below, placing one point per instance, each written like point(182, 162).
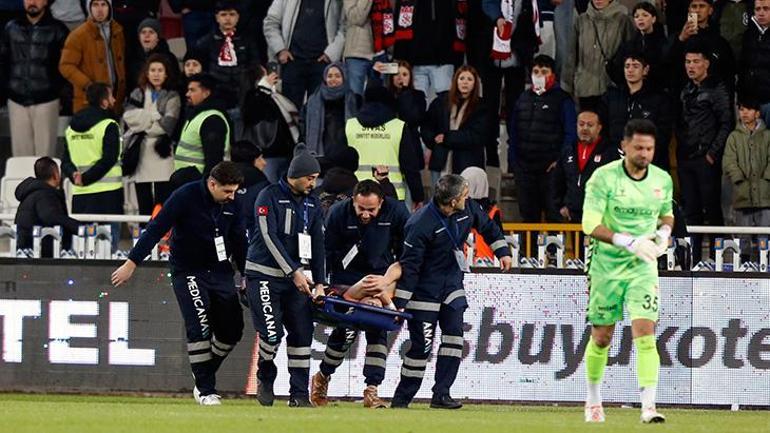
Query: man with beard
point(628, 214)
point(29, 70)
point(364, 237)
point(208, 233)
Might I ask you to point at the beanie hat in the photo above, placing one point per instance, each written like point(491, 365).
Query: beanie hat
point(150, 23)
point(303, 164)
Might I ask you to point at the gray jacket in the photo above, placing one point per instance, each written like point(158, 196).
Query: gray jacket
point(280, 20)
point(585, 73)
point(359, 41)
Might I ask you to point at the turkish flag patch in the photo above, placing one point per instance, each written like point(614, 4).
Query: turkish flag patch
point(262, 210)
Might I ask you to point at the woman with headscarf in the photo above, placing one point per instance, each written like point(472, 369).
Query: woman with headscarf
point(322, 123)
point(478, 192)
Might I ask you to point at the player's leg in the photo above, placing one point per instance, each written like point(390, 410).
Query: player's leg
point(298, 319)
point(643, 306)
point(374, 366)
point(265, 301)
point(337, 347)
point(421, 334)
point(450, 354)
point(226, 317)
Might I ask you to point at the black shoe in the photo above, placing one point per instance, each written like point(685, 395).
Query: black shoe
point(399, 404)
point(302, 401)
point(265, 395)
point(444, 402)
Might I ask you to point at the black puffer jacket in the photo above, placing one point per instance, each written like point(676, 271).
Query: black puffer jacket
point(705, 121)
point(40, 204)
point(232, 81)
point(29, 60)
point(755, 63)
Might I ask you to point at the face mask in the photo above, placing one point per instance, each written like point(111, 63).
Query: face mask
point(538, 84)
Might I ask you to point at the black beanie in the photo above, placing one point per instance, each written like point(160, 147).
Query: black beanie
point(303, 164)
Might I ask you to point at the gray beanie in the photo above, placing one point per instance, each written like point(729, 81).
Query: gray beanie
point(151, 23)
point(303, 164)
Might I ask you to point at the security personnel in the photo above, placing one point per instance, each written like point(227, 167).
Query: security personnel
point(205, 135)
point(285, 261)
point(431, 286)
point(91, 156)
point(364, 236)
point(208, 233)
point(383, 140)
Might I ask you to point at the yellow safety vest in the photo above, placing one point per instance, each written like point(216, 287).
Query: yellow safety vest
point(377, 146)
point(85, 149)
point(189, 152)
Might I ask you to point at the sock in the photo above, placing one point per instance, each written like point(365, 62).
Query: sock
point(647, 366)
point(596, 360)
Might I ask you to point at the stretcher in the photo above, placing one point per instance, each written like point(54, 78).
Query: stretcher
point(335, 311)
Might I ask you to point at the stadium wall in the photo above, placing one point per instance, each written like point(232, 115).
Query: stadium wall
point(64, 328)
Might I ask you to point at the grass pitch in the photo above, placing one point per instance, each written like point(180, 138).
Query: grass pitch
point(83, 414)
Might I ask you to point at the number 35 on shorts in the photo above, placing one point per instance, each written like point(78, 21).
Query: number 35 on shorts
point(650, 303)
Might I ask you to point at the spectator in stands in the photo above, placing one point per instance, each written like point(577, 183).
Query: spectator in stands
point(130, 13)
point(95, 52)
point(304, 54)
point(248, 157)
point(70, 12)
point(637, 99)
point(410, 105)
point(384, 145)
point(732, 17)
point(41, 203)
point(430, 35)
point(478, 192)
point(359, 45)
point(577, 163)
point(91, 157)
point(250, 24)
point(599, 32)
point(702, 33)
point(192, 64)
point(29, 57)
point(152, 111)
point(456, 127)
point(705, 121)
point(232, 60)
point(205, 134)
point(322, 123)
point(151, 42)
point(505, 60)
point(340, 180)
point(540, 126)
point(197, 18)
point(747, 164)
point(649, 41)
point(755, 62)
point(271, 121)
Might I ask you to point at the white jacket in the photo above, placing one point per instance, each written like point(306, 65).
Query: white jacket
point(280, 20)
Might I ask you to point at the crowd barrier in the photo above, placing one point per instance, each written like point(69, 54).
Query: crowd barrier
point(64, 328)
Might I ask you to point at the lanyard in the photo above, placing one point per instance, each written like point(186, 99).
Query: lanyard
point(305, 212)
point(454, 238)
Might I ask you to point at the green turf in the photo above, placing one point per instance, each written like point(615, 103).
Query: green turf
point(83, 414)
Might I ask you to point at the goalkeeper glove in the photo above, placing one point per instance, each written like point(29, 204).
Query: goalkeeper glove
point(662, 237)
point(641, 246)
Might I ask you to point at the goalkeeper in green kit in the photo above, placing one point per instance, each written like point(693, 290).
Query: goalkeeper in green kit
point(628, 214)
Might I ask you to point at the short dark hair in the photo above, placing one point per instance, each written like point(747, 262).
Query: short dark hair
point(226, 5)
point(639, 126)
point(449, 187)
point(227, 173)
point(45, 168)
point(368, 187)
point(244, 151)
point(544, 61)
point(204, 80)
point(696, 46)
point(636, 55)
point(97, 92)
point(748, 101)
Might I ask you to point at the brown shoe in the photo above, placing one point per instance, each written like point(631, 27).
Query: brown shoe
point(318, 387)
point(371, 399)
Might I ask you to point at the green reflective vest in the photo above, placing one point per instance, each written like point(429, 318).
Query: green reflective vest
point(189, 152)
point(378, 145)
point(85, 149)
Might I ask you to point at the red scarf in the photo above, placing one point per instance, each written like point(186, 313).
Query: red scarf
point(405, 21)
point(383, 25)
point(227, 56)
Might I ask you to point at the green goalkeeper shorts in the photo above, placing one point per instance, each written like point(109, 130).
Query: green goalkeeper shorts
point(606, 299)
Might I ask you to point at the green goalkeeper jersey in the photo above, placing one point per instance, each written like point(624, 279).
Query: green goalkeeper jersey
point(624, 205)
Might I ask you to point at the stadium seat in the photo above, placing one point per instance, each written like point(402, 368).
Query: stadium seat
point(17, 169)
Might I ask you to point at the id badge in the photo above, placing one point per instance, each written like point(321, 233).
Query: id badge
point(305, 246)
point(461, 262)
point(349, 256)
point(219, 242)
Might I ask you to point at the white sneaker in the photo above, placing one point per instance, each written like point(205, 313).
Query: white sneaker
point(211, 400)
point(197, 395)
point(594, 413)
point(651, 416)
